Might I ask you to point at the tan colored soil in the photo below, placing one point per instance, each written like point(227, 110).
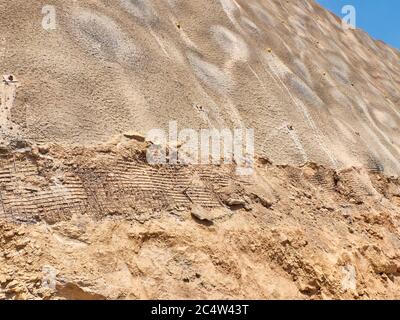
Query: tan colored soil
point(83, 216)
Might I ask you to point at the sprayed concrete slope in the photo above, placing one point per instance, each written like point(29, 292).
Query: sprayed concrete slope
point(122, 65)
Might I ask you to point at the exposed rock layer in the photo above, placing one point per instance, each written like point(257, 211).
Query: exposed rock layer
point(286, 232)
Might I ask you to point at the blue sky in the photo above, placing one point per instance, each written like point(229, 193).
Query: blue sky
point(380, 18)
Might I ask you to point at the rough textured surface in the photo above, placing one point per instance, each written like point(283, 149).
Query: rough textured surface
point(285, 232)
point(112, 66)
point(83, 216)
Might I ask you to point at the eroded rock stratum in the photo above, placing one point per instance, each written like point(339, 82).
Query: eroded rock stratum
point(101, 223)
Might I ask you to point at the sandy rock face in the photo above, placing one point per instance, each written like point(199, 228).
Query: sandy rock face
point(285, 232)
point(83, 215)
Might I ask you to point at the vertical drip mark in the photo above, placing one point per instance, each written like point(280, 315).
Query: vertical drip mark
point(2, 48)
point(303, 109)
point(294, 137)
point(159, 43)
point(256, 75)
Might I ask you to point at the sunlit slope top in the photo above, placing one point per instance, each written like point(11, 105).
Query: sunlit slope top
point(311, 90)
